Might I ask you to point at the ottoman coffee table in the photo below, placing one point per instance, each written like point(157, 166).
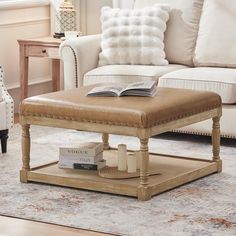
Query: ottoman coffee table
point(141, 117)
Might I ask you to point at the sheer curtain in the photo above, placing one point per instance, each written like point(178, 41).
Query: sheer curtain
point(123, 3)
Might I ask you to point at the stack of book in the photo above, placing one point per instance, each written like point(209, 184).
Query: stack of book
point(88, 156)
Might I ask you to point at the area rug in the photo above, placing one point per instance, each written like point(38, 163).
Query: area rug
point(204, 207)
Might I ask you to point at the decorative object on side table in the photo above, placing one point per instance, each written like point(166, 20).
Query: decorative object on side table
point(65, 19)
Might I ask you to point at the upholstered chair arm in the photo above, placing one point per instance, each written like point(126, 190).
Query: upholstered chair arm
point(79, 56)
point(6, 105)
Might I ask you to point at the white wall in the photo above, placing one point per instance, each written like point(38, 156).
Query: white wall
point(22, 23)
point(123, 3)
point(90, 11)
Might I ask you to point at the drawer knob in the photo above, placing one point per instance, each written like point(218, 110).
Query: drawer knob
point(44, 51)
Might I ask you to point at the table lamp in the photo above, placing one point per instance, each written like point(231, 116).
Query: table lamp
point(65, 19)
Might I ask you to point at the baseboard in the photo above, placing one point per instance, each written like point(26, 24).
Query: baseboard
point(35, 88)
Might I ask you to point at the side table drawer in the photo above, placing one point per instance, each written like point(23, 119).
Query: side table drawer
point(40, 51)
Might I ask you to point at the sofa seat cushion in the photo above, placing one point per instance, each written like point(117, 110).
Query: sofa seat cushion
point(126, 74)
point(219, 80)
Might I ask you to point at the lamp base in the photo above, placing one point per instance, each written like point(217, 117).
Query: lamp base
point(58, 35)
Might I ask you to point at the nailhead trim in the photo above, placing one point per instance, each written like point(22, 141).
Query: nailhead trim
point(76, 65)
point(118, 123)
point(203, 133)
point(8, 101)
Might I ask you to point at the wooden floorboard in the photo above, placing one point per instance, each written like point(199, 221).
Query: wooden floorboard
point(10, 226)
point(16, 118)
point(18, 227)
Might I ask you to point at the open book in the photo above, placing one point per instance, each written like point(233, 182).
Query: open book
point(146, 88)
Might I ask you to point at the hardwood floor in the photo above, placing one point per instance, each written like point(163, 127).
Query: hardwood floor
point(10, 226)
point(17, 227)
point(16, 118)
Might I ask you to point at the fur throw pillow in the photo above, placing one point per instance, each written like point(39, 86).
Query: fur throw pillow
point(133, 36)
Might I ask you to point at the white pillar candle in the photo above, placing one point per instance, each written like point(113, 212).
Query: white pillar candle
point(131, 161)
point(122, 157)
point(138, 159)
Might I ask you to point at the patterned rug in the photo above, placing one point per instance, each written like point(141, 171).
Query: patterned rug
point(204, 207)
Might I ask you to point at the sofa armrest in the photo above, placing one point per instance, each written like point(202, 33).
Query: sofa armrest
point(79, 55)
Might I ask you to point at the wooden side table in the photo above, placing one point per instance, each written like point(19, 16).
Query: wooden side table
point(39, 47)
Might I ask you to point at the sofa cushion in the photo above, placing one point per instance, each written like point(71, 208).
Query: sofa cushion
point(182, 27)
point(219, 80)
point(217, 36)
point(127, 73)
point(133, 36)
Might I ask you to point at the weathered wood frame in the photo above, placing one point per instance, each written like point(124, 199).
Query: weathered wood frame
point(144, 191)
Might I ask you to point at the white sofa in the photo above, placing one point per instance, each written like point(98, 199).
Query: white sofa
point(199, 45)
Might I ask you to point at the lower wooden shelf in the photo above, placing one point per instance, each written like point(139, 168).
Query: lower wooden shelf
point(114, 173)
point(172, 172)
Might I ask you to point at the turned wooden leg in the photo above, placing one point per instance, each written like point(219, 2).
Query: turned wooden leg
point(4, 137)
point(143, 189)
point(25, 145)
point(216, 142)
point(105, 140)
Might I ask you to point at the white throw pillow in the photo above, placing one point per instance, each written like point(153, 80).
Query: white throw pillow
point(133, 36)
point(182, 28)
point(216, 42)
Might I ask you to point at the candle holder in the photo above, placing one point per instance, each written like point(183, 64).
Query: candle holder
point(122, 157)
point(131, 162)
point(138, 159)
point(65, 19)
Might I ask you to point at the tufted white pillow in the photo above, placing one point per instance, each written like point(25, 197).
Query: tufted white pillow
point(133, 36)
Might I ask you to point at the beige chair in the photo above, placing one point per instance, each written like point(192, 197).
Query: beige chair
point(6, 112)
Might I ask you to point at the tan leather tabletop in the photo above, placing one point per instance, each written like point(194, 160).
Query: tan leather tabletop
point(169, 104)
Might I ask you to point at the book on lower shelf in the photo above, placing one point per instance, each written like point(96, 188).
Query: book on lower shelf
point(97, 166)
point(85, 149)
point(83, 166)
point(87, 156)
point(67, 161)
point(143, 89)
